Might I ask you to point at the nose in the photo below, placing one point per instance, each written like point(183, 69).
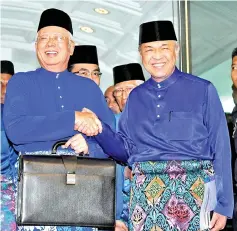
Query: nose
point(157, 54)
point(125, 94)
point(51, 42)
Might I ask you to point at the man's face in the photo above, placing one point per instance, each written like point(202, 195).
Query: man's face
point(234, 71)
point(88, 70)
point(109, 97)
point(159, 58)
point(122, 91)
point(53, 48)
point(4, 80)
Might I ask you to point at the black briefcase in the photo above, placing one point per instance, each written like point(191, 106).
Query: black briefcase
point(66, 190)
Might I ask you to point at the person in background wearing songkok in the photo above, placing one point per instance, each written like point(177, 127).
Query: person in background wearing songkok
point(45, 105)
point(126, 78)
point(177, 143)
point(84, 62)
point(8, 160)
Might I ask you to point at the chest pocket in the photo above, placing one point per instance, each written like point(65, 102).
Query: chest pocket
point(176, 126)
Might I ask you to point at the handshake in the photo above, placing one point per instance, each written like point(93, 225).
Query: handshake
point(87, 122)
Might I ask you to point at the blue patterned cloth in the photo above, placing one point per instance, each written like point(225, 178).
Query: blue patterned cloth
point(171, 196)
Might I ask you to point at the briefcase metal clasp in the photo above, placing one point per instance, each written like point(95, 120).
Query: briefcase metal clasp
point(71, 178)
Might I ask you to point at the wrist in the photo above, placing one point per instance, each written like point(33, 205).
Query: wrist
point(77, 116)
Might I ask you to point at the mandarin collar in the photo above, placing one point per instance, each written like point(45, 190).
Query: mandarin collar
point(44, 71)
point(165, 83)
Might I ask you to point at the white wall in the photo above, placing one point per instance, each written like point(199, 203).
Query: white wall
point(220, 77)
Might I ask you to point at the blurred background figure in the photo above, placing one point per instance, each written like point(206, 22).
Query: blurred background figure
point(8, 160)
point(110, 99)
point(234, 120)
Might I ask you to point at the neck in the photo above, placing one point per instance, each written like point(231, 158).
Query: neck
point(158, 80)
point(54, 68)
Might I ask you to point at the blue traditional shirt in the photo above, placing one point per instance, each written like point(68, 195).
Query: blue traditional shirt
point(40, 109)
point(8, 154)
point(180, 118)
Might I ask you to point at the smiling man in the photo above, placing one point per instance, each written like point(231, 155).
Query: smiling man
point(173, 133)
point(43, 106)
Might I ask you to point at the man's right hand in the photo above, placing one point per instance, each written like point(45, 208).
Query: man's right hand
point(120, 226)
point(87, 123)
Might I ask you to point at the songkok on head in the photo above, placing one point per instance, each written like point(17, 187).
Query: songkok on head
point(156, 31)
point(7, 67)
point(84, 54)
point(55, 17)
point(131, 71)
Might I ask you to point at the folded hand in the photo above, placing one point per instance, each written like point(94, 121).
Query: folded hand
point(77, 143)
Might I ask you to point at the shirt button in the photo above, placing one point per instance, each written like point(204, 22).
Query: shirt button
point(60, 97)
point(158, 105)
point(56, 76)
point(158, 116)
point(159, 96)
point(158, 85)
point(58, 87)
point(62, 106)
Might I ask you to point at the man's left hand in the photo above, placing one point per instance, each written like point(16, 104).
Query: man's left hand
point(77, 143)
point(218, 222)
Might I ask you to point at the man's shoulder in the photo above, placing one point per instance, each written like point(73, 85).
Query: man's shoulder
point(21, 77)
point(194, 78)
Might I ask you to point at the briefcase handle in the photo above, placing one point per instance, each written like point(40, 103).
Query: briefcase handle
point(62, 142)
point(57, 145)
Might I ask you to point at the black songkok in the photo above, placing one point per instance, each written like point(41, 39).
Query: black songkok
point(55, 17)
point(156, 31)
point(131, 71)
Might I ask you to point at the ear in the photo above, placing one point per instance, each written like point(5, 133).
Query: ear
point(177, 48)
point(140, 50)
point(71, 47)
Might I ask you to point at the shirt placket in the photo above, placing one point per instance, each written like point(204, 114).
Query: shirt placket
point(60, 93)
point(160, 92)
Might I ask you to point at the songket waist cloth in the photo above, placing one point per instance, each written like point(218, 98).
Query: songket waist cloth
point(172, 195)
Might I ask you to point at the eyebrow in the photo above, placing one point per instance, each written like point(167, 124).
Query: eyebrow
point(97, 69)
point(148, 47)
point(83, 69)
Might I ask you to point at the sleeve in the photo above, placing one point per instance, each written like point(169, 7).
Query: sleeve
point(119, 190)
point(215, 121)
point(22, 126)
point(118, 145)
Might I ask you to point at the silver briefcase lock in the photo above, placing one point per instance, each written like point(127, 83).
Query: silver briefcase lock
point(71, 178)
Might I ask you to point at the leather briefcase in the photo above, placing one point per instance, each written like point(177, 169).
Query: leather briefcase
point(66, 190)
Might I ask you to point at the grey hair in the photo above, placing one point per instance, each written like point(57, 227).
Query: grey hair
point(176, 45)
point(139, 82)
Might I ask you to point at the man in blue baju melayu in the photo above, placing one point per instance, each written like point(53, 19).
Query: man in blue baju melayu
point(173, 132)
point(45, 105)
